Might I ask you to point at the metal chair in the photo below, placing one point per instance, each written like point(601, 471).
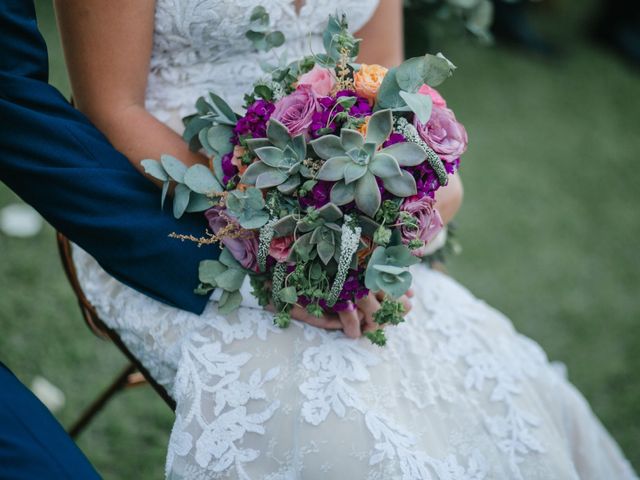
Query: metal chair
point(134, 373)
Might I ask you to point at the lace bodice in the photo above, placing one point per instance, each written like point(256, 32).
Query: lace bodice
point(200, 45)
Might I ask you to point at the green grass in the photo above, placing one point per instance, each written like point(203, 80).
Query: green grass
point(550, 228)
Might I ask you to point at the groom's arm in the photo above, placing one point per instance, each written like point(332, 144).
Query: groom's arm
point(59, 163)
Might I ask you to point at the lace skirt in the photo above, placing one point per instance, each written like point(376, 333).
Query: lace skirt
point(455, 394)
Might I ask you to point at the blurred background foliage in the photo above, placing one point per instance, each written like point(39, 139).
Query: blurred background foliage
point(550, 230)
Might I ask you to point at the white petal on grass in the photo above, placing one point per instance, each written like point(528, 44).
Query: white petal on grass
point(48, 393)
point(20, 220)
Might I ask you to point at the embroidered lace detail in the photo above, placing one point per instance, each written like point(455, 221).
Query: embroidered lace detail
point(455, 395)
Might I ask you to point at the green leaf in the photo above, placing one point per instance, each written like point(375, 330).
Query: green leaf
point(351, 139)
point(200, 180)
point(174, 167)
point(228, 260)
point(252, 173)
point(353, 172)
point(327, 147)
point(380, 126)
point(326, 251)
point(165, 191)
point(390, 269)
point(368, 194)
point(330, 212)
point(154, 169)
point(407, 154)
point(225, 113)
point(195, 125)
point(290, 185)
point(411, 74)
point(389, 92)
point(229, 301)
point(341, 194)
point(258, 39)
point(402, 186)
point(419, 104)
point(384, 165)
point(333, 169)
point(278, 134)
point(219, 139)
point(271, 178)
point(180, 200)
point(198, 203)
point(285, 226)
point(288, 295)
point(275, 39)
point(299, 145)
point(255, 143)
point(439, 68)
point(258, 220)
point(271, 156)
point(231, 279)
point(208, 271)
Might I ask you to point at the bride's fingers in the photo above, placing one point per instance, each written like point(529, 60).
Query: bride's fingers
point(328, 322)
point(369, 305)
point(410, 293)
point(406, 303)
point(350, 323)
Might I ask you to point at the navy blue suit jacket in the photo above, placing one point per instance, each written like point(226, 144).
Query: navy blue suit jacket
point(53, 158)
point(33, 445)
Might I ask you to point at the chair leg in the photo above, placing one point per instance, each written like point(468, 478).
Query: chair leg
point(121, 382)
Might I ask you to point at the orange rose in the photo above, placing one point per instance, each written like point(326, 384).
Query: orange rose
point(236, 160)
point(365, 250)
point(364, 127)
point(368, 80)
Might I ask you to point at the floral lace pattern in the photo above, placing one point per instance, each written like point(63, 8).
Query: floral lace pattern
point(455, 395)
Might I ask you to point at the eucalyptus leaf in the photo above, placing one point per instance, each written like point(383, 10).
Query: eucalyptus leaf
point(165, 191)
point(198, 203)
point(288, 295)
point(231, 279)
point(226, 114)
point(154, 169)
point(258, 220)
point(275, 39)
point(229, 301)
point(389, 92)
point(227, 259)
point(219, 139)
point(174, 167)
point(420, 104)
point(200, 180)
point(180, 200)
point(208, 271)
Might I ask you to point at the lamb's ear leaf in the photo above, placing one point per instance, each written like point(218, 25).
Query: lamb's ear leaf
point(278, 134)
point(180, 199)
point(368, 196)
point(402, 185)
point(327, 147)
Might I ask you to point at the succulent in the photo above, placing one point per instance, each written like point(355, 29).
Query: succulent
point(320, 233)
point(281, 160)
point(354, 162)
point(248, 207)
point(388, 270)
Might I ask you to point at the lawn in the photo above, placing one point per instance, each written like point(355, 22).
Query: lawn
point(550, 231)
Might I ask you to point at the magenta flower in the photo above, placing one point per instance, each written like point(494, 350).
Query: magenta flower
point(444, 134)
point(244, 243)
point(295, 111)
point(429, 222)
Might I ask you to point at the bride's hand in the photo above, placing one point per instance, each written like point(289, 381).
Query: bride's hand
point(360, 320)
point(449, 198)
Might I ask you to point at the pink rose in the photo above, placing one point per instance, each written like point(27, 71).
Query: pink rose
point(295, 111)
point(429, 222)
point(242, 244)
point(438, 101)
point(444, 134)
point(321, 80)
point(281, 247)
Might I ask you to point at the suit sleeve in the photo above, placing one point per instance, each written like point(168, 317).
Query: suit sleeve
point(54, 159)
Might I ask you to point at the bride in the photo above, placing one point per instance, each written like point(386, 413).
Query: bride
point(455, 394)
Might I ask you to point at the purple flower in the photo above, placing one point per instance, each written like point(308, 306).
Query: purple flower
point(325, 117)
point(428, 218)
point(254, 123)
point(394, 138)
point(444, 134)
point(318, 196)
point(295, 111)
point(229, 170)
point(243, 244)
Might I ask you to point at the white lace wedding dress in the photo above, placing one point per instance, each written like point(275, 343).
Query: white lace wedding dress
point(455, 394)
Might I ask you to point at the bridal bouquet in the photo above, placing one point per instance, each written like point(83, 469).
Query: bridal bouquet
point(323, 190)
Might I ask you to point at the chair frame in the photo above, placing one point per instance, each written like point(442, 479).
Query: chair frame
point(132, 375)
